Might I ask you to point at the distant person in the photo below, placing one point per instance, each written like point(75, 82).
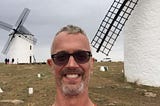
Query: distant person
point(12, 60)
point(6, 60)
point(72, 63)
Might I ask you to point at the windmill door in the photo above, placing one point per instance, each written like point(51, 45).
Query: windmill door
point(30, 59)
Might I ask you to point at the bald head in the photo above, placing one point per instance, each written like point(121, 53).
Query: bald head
point(70, 37)
point(71, 29)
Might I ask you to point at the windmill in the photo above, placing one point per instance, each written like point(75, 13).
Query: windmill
point(19, 45)
point(142, 44)
point(112, 25)
point(142, 40)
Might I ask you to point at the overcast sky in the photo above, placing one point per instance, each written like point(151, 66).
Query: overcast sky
point(48, 16)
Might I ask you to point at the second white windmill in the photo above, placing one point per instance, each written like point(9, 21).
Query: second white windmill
point(20, 42)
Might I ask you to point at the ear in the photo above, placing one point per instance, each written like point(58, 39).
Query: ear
point(92, 63)
point(50, 62)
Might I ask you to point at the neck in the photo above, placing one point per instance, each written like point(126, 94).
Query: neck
point(79, 100)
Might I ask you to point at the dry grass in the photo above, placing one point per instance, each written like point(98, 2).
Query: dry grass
point(106, 88)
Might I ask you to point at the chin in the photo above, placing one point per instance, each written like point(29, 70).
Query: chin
point(73, 90)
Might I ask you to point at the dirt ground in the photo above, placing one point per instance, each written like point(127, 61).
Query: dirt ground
point(107, 88)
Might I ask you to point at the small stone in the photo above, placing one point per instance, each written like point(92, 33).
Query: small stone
point(103, 68)
point(150, 94)
point(12, 101)
point(1, 91)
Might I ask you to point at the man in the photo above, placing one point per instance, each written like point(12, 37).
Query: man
point(71, 64)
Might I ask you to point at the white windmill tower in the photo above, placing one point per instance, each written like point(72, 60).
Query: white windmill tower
point(20, 42)
point(142, 44)
point(142, 38)
point(112, 25)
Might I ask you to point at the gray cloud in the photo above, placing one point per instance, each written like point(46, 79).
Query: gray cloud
point(47, 16)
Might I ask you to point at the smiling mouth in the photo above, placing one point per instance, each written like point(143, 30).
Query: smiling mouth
point(72, 75)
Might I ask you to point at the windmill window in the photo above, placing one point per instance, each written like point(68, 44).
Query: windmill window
point(116, 10)
point(112, 16)
point(115, 4)
point(110, 21)
point(99, 33)
point(109, 14)
point(30, 47)
point(96, 45)
point(104, 23)
point(125, 8)
point(118, 6)
point(129, 10)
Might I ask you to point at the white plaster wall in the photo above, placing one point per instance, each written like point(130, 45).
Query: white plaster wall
point(142, 44)
point(20, 50)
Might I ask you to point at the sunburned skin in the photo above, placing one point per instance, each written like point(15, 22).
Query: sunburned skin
point(71, 77)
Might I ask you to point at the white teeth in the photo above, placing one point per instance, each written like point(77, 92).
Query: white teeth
point(72, 75)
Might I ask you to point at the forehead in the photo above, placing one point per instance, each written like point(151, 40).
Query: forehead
point(70, 42)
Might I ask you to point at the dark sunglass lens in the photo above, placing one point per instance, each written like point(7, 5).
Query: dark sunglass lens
point(61, 58)
point(81, 56)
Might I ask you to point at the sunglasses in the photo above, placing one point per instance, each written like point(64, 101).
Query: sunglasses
point(62, 58)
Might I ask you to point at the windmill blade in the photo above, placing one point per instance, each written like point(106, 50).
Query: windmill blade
point(29, 38)
point(5, 26)
point(34, 40)
point(112, 25)
point(22, 18)
point(22, 30)
point(8, 43)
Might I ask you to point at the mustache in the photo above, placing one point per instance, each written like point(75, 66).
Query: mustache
point(71, 71)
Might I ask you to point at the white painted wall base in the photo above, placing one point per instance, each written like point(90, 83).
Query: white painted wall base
point(21, 50)
point(142, 44)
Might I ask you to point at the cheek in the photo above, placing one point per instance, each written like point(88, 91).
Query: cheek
point(56, 70)
point(87, 68)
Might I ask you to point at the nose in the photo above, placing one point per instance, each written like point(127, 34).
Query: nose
point(72, 63)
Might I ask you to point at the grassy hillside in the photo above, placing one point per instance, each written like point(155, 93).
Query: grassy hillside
point(107, 88)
